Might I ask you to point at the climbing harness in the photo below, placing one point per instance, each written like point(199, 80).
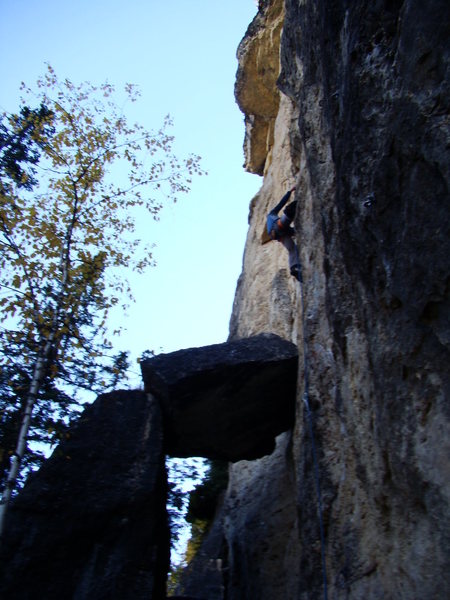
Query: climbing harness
point(313, 443)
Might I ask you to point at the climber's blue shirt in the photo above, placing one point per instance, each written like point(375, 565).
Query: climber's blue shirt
point(272, 219)
point(273, 228)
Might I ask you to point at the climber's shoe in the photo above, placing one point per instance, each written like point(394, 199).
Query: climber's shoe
point(296, 271)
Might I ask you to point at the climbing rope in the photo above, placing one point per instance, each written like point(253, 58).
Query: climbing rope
point(313, 443)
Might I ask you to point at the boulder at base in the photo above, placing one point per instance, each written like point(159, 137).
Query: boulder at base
point(91, 523)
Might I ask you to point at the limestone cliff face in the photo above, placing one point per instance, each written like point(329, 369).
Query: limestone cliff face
point(361, 127)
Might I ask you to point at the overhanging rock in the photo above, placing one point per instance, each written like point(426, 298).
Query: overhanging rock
point(226, 401)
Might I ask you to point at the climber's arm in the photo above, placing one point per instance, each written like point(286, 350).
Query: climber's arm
point(281, 203)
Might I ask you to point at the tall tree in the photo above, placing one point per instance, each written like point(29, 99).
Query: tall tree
point(67, 237)
point(22, 137)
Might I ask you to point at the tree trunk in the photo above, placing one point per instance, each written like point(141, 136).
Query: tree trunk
point(17, 457)
point(39, 373)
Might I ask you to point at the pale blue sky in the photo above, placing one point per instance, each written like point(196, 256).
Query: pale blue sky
point(182, 54)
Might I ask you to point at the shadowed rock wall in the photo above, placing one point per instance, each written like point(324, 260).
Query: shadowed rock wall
point(225, 401)
point(91, 523)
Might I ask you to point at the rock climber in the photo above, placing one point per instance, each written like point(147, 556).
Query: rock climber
point(279, 228)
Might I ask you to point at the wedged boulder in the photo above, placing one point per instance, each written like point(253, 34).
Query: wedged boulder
point(226, 401)
point(91, 523)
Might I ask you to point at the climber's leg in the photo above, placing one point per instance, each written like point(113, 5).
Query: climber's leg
point(294, 263)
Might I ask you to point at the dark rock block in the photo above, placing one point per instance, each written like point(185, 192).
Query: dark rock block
point(91, 523)
point(226, 401)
